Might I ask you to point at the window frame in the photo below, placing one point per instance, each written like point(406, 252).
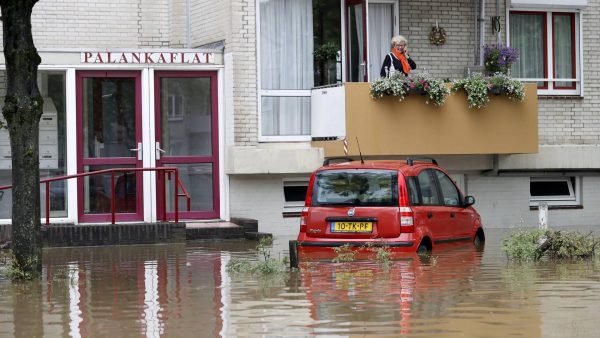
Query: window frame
point(550, 88)
point(574, 185)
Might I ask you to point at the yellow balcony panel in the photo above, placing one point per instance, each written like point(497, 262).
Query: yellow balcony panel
point(387, 126)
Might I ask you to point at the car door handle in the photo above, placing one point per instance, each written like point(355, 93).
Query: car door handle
point(429, 215)
point(452, 215)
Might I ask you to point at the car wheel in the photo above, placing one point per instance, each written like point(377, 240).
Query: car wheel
point(477, 241)
point(422, 249)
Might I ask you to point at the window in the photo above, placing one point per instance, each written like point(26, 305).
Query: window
point(429, 193)
point(555, 191)
point(294, 194)
point(449, 191)
point(299, 44)
point(548, 44)
point(374, 188)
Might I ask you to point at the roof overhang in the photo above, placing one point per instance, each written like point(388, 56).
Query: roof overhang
point(549, 4)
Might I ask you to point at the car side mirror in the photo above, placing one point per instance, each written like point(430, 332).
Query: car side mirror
point(469, 200)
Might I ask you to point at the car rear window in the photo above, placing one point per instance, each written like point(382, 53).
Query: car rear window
point(376, 188)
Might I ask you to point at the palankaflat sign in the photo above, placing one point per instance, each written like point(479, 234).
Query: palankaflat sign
point(146, 57)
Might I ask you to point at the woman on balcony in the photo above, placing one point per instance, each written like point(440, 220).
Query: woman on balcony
point(398, 59)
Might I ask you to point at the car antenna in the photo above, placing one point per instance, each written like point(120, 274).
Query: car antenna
point(359, 153)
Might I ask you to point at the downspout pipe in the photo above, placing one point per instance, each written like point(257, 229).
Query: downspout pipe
point(495, 167)
point(481, 21)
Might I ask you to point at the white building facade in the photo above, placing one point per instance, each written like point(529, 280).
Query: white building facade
point(223, 90)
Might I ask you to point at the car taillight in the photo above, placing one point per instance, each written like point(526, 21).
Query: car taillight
point(303, 216)
point(406, 220)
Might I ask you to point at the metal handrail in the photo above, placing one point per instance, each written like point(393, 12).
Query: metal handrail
point(176, 183)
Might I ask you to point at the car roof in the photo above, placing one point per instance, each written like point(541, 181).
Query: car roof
point(400, 165)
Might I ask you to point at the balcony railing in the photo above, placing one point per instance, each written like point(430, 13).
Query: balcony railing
point(387, 126)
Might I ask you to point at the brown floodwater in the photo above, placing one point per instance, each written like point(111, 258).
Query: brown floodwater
point(184, 290)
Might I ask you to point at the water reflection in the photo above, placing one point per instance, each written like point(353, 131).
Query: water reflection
point(185, 291)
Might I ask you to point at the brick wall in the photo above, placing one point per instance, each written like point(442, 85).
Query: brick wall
point(209, 20)
point(457, 19)
point(242, 45)
point(105, 24)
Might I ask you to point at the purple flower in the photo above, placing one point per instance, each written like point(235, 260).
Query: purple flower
point(499, 57)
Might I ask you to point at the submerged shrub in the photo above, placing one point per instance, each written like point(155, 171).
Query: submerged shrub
point(266, 265)
point(532, 245)
point(344, 253)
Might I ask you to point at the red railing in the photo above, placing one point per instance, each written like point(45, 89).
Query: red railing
point(164, 170)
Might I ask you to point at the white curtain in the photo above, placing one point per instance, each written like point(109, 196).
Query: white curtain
point(527, 35)
point(286, 59)
point(381, 30)
point(563, 47)
point(358, 17)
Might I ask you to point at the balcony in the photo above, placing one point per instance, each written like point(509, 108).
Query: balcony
point(388, 127)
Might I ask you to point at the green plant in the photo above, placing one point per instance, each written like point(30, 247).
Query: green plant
point(532, 245)
point(265, 265)
point(344, 253)
point(476, 88)
point(389, 86)
point(514, 89)
point(399, 86)
point(325, 52)
point(522, 245)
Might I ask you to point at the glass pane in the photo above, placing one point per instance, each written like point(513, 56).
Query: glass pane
point(355, 43)
point(186, 116)
point(527, 35)
point(52, 146)
point(381, 29)
point(428, 189)
point(108, 117)
point(286, 44)
point(376, 188)
point(327, 22)
point(97, 191)
point(285, 115)
point(549, 188)
point(564, 48)
point(451, 196)
point(197, 179)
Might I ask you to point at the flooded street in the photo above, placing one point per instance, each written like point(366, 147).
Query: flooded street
point(185, 291)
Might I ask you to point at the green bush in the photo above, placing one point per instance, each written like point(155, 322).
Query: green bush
point(533, 245)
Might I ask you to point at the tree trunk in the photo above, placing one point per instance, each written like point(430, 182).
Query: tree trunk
point(23, 106)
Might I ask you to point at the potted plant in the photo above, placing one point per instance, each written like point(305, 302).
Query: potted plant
point(499, 58)
point(476, 88)
point(390, 86)
point(434, 89)
point(501, 83)
point(323, 55)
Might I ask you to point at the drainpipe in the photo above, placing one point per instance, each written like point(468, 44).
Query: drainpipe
point(495, 167)
point(481, 21)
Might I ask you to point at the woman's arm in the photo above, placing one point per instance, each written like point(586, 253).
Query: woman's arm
point(386, 63)
point(411, 63)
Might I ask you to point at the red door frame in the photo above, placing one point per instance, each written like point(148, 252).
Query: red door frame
point(363, 4)
point(213, 159)
point(114, 161)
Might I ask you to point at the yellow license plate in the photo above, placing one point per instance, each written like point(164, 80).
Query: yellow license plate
point(351, 226)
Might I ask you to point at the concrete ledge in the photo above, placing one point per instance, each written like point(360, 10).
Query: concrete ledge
point(213, 230)
point(275, 159)
point(113, 234)
point(550, 157)
point(249, 224)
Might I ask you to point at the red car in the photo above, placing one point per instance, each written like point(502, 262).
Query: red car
point(405, 205)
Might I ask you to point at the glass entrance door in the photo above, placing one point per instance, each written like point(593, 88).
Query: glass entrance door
point(356, 38)
point(186, 138)
point(109, 136)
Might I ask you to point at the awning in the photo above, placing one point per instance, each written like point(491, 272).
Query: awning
point(549, 4)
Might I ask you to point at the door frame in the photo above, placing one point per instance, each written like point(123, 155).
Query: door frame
point(364, 5)
point(139, 214)
point(214, 159)
point(395, 29)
